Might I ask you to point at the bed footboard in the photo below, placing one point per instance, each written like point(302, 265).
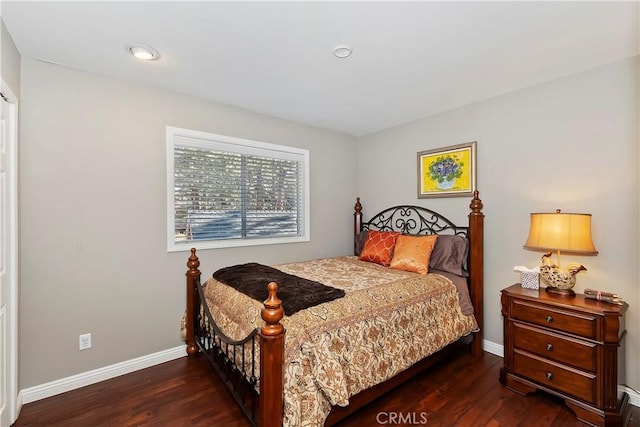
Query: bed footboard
point(235, 360)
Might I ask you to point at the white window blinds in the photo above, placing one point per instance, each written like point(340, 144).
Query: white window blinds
point(232, 192)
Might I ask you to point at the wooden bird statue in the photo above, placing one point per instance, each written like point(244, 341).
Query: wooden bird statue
point(554, 277)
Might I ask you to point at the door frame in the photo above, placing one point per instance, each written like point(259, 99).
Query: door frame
point(13, 404)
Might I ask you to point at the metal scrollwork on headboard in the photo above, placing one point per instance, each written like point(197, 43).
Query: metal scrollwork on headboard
point(413, 220)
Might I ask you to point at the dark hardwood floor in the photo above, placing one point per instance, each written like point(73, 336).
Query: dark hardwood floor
point(461, 391)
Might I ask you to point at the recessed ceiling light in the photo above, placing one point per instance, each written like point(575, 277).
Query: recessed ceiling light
point(342, 51)
point(143, 52)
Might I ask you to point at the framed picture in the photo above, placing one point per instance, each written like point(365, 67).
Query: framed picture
point(447, 172)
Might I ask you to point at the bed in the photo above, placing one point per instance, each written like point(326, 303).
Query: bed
point(381, 320)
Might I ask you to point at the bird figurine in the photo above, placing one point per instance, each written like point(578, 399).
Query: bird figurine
point(559, 280)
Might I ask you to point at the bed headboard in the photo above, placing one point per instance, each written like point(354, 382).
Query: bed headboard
point(418, 220)
point(413, 220)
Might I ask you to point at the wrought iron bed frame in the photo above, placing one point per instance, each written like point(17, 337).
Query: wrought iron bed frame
point(265, 408)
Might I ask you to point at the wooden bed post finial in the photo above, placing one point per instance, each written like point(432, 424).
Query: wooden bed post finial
point(271, 361)
point(193, 262)
point(272, 313)
point(193, 302)
point(476, 204)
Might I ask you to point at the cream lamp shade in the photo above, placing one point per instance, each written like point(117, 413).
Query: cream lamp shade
point(566, 232)
point(560, 232)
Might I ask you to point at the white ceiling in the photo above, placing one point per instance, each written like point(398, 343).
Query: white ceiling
point(410, 59)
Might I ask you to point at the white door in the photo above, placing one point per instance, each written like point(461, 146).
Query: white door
point(8, 258)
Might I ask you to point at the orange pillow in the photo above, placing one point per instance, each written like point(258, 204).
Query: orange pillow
point(379, 247)
point(412, 253)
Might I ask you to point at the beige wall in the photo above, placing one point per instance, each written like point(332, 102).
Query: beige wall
point(9, 60)
point(571, 144)
point(93, 217)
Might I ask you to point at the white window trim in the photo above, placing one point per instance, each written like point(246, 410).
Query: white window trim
point(210, 140)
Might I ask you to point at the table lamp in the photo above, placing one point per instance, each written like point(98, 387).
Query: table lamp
point(556, 232)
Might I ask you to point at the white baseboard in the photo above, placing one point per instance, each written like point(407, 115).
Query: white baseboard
point(63, 385)
point(493, 348)
point(634, 396)
point(498, 350)
point(73, 382)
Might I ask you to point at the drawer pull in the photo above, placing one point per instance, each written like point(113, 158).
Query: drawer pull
point(549, 376)
point(549, 347)
point(549, 319)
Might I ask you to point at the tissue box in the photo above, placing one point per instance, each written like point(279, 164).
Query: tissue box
point(530, 280)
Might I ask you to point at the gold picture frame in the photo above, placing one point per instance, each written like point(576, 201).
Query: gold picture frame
point(447, 171)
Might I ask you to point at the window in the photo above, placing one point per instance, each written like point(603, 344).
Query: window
point(225, 192)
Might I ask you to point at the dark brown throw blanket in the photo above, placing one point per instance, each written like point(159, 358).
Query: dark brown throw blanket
point(296, 293)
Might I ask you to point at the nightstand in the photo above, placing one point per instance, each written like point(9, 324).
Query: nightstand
point(570, 347)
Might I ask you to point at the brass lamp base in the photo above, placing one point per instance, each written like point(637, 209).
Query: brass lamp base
point(565, 293)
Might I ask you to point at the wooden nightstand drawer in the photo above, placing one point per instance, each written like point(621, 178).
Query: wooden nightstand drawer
point(581, 385)
point(574, 352)
point(581, 324)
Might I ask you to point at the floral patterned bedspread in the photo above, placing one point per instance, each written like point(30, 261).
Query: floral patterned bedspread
point(387, 321)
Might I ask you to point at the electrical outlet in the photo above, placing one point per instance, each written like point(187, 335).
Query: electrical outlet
point(85, 341)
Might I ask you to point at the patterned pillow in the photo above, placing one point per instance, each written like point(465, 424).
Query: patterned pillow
point(412, 253)
point(379, 247)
